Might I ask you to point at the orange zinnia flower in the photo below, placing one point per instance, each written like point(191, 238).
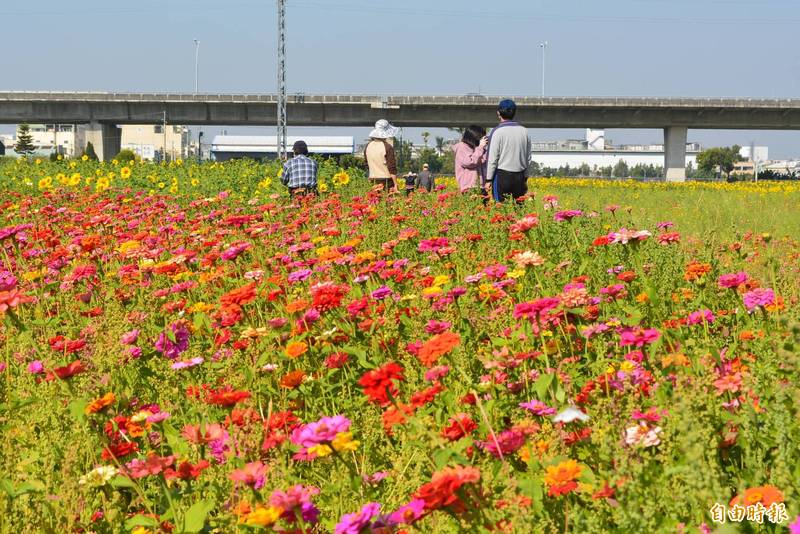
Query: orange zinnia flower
point(239, 296)
point(296, 348)
point(766, 495)
point(292, 379)
point(98, 404)
point(561, 478)
point(437, 346)
point(297, 306)
point(695, 270)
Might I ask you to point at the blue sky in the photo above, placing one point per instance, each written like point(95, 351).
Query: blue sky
point(743, 48)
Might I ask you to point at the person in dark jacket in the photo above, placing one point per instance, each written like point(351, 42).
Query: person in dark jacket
point(425, 179)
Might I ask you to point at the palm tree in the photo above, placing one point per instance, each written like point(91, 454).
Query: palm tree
point(440, 145)
point(425, 136)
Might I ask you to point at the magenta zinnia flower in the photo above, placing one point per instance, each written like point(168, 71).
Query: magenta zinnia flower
point(173, 349)
point(355, 523)
point(322, 431)
point(508, 442)
point(758, 297)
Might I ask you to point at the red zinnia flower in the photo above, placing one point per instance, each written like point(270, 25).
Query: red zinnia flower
point(378, 384)
point(186, 471)
point(441, 491)
point(120, 450)
point(69, 370)
point(461, 425)
point(437, 346)
point(226, 397)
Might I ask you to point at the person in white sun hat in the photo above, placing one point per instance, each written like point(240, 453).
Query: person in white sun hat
point(380, 156)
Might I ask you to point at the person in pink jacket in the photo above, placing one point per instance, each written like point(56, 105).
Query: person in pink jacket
point(470, 156)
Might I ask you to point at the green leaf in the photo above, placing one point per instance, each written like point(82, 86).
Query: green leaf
point(120, 481)
point(560, 395)
point(178, 446)
point(531, 487)
point(542, 385)
point(195, 517)
point(140, 521)
point(32, 486)
point(77, 409)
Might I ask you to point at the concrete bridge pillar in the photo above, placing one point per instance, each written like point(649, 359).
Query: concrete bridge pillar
point(106, 139)
point(675, 153)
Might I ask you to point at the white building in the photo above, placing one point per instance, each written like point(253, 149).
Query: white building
point(596, 150)
point(66, 139)
point(149, 141)
point(225, 147)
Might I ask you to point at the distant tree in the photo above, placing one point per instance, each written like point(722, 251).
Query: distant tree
point(429, 156)
point(440, 145)
point(403, 151)
point(425, 136)
point(621, 169)
point(24, 146)
point(125, 155)
point(723, 157)
point(534, 169)
point(89, 152)
point(584, 170)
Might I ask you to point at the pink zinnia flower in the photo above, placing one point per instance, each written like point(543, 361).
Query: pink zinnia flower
point(566, 215)
point(152, 465)
point(638, 336)
point(252, 474)
point(437, 327)
point(538, 408)
point(129, 338)
point(698, 317)
point(732, 280)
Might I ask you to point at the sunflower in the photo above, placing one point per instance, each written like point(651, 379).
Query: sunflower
point(125, 172)
point(341, 178)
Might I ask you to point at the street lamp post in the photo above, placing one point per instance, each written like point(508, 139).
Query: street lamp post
point(543, 46)
point(196, 62)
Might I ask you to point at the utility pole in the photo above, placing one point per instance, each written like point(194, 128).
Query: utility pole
point(164, 149)
point(543, 46)
point(196, 62)
point(281, 140)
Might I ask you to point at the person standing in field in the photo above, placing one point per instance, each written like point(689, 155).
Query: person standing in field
point(425, 179)
point(470, 157)
point(300, 172)
point(508, 156)
point(380, 156)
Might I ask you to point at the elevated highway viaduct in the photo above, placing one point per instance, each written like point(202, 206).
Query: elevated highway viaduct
point(101, 113)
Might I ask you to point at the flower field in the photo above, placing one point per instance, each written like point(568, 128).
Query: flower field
point(186, 350)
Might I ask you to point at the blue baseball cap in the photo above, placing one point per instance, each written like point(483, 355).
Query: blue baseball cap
point(507, 105)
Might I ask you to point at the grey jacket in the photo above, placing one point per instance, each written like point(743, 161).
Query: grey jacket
point(425, 180)
point(509, 150)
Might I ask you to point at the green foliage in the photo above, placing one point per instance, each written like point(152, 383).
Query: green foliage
point(89, 152)
point(24, 145)
point(723, 158)
point(125, 155)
